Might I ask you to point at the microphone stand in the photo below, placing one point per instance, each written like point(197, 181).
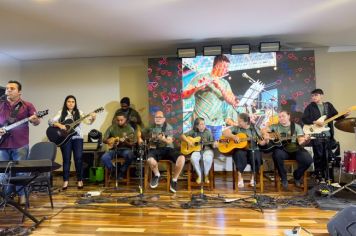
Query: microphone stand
point(202, 198)
point(197, 200)
point(140, 199)
point(253, 148)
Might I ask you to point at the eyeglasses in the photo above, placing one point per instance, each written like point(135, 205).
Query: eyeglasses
point(159, 117)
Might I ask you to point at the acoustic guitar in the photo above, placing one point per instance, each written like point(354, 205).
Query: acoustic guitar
point(60, 136)
point(226, 145)
point(282, 140)
point(185, 149)
point(116, 141)
point(315, 129)
point(7, 128)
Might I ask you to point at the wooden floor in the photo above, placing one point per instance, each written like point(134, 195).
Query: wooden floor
point(114, 215)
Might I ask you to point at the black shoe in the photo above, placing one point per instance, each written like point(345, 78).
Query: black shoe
point(173, 186)
point(120, 175)
point(285, 184)
point(298, 182)
point(154, 181)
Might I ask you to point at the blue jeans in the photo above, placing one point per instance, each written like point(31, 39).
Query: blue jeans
point(127, 154)
point(13, 154)
point(216, 131)
point(75, 146)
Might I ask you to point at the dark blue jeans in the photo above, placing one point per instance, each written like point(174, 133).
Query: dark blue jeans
point(127, 154)
point(302, 157)
point(75, 146)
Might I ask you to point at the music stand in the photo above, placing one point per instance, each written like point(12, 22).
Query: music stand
point(201, 197)
point(33, 166)
point(140, 199)
point(253, 148)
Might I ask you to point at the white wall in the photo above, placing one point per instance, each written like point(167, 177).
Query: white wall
point(9, 69)
point(94, 82)
point(336, 75)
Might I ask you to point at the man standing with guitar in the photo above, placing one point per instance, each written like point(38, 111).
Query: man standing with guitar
point(14, 146)
point(120, 138)
point(312, 113)
point(291, 148)
point(244, 155)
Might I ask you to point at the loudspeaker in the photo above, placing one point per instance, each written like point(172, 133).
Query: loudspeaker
point(343, 223)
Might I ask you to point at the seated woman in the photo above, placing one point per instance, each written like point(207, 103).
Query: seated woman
point(207, 141)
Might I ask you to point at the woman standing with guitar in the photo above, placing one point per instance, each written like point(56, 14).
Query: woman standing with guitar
point(67, 115)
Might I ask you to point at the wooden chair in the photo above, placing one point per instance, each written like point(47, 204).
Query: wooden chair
point(291, 163)
point(192, 183)
point(148, 173)
point(235, 181)
point(125, 180)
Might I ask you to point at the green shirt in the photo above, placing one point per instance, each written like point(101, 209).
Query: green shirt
point(206, 136)
point(168, 132)
point(118, 131)
point(286, 130)
point(249, 132)
point(209, 103)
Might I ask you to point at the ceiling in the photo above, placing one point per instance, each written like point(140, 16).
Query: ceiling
point(46, 29)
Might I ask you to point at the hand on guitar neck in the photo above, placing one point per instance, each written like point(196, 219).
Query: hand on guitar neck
point(116, 141)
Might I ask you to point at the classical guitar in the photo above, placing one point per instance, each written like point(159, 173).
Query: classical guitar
point(7, 128)
point(226, 145)
point(116, 141)
point(61, 136)
point(185, 149)
point(315, 129)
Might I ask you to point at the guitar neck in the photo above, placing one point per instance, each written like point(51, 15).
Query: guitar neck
point(74, 123)
point(334, 117)
point(7, 128)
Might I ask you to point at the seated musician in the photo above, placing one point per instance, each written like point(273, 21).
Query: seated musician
point(207, 141)
point(164, 150)
point(242, 157)
point(120, 137)
point(286, 128)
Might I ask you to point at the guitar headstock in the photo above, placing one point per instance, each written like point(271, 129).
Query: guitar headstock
point(353, 108)
point(40, 114)
point(100, 109)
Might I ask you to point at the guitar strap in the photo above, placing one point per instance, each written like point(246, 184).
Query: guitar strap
point(326, 109)
point(12, 118)
point(292, 128)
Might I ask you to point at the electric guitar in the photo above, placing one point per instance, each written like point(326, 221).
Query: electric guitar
point(185, 149)
point(60, 136)
point(226, 145)
point(116, 141)
point(7, 128)
point(315, 129)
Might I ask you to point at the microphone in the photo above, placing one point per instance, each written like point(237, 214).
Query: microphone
point(3, 97)
point(245, 75)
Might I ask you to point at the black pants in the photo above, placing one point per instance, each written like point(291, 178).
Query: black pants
point(302, 157)
point(322, 151)
point(244, 157)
